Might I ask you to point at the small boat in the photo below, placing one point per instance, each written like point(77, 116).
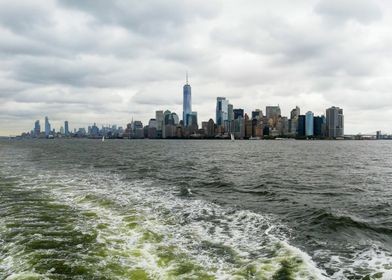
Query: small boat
point(103, 138)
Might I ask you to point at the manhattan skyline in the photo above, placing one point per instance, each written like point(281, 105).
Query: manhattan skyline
point(107, 63)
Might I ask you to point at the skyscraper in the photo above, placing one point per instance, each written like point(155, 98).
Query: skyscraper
point(301, 126)
point(335, 122)
point(160, 122)
point(294, 120)
point(272, 112)
point(318, 126)
point(47, 127)
point(192, 119)
point(66, 128)
point(230, 113)
point(37, 128)
point(238, 113)
point(309, 124)
point(187, 102)
point(222, 108)
point(257, 114)
point(159, 117)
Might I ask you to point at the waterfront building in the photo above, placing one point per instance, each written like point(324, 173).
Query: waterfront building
point(335, 122)
point(204, 127)
point(47, 127)
point(170, 131)
point(192, 120)
point(239, 127)
point(238, 113)
point(151, 129)
point(137, 129)
point(309, 125)
point(257, 114)
point(66, 128)
point(282, 126)
point(222, 108)
point(301, 126)
point(318, 123)
point(187, 101)
point(159, 118)
point(37, 128)
point(62, 130)
point(293, 126)
point(152, 123)
point(272, 112)
point(210, 129)
point(171, 118)
point(94, 133)
point(266, 131)
point(229, 124)
point(248, 127)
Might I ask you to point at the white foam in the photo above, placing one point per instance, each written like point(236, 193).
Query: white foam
point(184, 223)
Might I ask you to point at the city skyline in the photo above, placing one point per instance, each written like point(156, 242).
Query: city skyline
point(109, 62)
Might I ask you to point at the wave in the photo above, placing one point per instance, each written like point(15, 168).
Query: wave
point(134, 229)
point(334, 221)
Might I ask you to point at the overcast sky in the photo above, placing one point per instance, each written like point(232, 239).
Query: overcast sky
point(108, 61)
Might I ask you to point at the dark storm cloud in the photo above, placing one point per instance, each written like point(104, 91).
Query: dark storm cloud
point(108, 61)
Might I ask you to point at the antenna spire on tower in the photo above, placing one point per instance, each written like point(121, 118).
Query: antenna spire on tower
point(186, 77)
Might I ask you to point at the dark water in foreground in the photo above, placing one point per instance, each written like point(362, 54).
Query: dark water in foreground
point(83, 209)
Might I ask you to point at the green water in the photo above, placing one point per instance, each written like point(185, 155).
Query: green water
point(88, 215)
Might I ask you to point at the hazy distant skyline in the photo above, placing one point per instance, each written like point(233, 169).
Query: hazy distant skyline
point(108, 61)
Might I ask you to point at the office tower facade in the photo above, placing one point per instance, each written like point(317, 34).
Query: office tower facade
point(160, 119)
point(272, 112)
point(282, 126)
point(301, 126)
point(239, 127)
point(222, 108)
point(66, 128)
point(187, 101)
point(318, 126)
point(257, 114)
point(230, 113)
point(238, 113)
point(37, 128)
point(335, 122)
point(294, 120)
point(309, 124)
point(192, 120)
point(210, 128)
point(47, 127)
point(295, 112)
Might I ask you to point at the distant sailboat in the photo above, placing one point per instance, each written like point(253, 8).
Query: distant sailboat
point(232, 137)
point(103, 138)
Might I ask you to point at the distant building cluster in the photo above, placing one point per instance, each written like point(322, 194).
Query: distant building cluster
point(230, 122)
point(92, 131)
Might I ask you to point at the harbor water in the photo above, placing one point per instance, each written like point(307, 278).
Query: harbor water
point(184, 209)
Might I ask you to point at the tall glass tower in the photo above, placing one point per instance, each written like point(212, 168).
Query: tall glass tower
point(309, 124)
point(222, 108)
point(47, 127)
point(187, 102)
point(66, 128)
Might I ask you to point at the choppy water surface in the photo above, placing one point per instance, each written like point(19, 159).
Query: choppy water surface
point(83, 209)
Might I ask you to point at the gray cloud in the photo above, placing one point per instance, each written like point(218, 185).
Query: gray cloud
point(106, 62)
point(363, 11)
